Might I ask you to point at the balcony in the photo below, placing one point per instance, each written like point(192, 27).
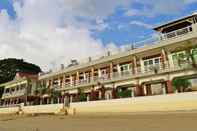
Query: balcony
point(177, 33)
point(154, 70)
point(13, 94)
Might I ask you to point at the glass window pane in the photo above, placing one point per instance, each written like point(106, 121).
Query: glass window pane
point(150, 62)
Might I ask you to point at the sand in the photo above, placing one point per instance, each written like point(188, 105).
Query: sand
point(174, 121)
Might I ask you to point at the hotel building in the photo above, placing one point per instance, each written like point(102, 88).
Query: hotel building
point(134, 72)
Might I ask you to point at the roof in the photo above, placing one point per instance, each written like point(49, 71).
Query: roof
point(175, 21)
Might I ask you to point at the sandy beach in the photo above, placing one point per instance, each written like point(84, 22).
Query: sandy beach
point(174, 121)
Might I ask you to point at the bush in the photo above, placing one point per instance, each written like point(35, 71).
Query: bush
point(124, 93)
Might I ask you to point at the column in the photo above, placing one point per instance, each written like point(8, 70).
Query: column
point(170, 60)
point(77, 78)
point(148, 89)
point(99, 73)
point(169, 86)
point(139, 90)
point(92, 74)
point(142, 65)
point(71, 80)
point(71, 98)
point(84, 76)
point(111, 70)
point(132, 92)
point(118, 68)
point(64, 81)
point(135, 71)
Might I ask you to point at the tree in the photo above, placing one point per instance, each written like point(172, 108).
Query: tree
point(81, 95)
point(181, 84)
point(1, 91)
point(9, 68)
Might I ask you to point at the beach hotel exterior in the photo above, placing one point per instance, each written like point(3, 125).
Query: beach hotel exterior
point(134, 72)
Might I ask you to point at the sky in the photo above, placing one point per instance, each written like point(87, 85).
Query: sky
point(52, 32)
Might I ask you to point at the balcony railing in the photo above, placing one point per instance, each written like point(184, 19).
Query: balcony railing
point(14, 94)
point(156, 39)
point(160, 68)
point(177, 33)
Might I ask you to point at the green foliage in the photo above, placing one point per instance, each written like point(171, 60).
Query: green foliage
point(181, 84)
point(82, 97)
point(9, 68)
point(1, 91)
point(124, 93)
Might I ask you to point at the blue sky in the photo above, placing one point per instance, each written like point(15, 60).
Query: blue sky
point(88, 27)
point(120, 30)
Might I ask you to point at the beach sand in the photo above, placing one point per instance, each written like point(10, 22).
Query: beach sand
point(171, 121)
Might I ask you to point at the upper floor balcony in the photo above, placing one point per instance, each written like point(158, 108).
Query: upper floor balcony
point(127, 74)
point(13, 94)
point(173, 36)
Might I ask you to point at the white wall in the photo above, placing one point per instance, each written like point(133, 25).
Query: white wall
point(52, 108)
point(171, 102)
point(10, 110)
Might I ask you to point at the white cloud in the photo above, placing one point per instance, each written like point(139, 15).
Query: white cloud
point(47, 31)
point(51, 31)
point(142, 24)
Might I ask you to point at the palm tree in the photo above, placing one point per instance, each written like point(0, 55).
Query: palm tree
point(54, 94)
point(181, 84)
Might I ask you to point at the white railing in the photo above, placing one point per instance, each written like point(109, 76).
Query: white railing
point(14, 94)
point(160, 68)
point(155, 39)
point(177, 33)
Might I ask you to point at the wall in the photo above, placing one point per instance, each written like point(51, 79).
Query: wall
point(10, 110)
point(172, 102)
point(52, 108)
point(40, 109)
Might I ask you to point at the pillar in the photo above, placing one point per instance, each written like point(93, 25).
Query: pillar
point(64, 81)
point(77, 78)
point(142, 65)
point(169, 87)
point(164, 57)
point(71, 80)
point(111, 70)
point(139, 90)
point(92, 74)
point(118, 68)
point(134, 65)
point(148, 89)
point(99, 73)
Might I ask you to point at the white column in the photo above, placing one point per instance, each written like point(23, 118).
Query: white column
point(88, 97)
point(144, 87)
point(170, 60)
point(71, 98)
point(132, 92)
point(99, 73)
point(71, 80)
point(142, 65)
point(84, 76)
point(118, 68)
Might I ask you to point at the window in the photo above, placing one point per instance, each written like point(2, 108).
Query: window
point(194, 52)
point(125, 67)
point(151, 62)
point(178, 56)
